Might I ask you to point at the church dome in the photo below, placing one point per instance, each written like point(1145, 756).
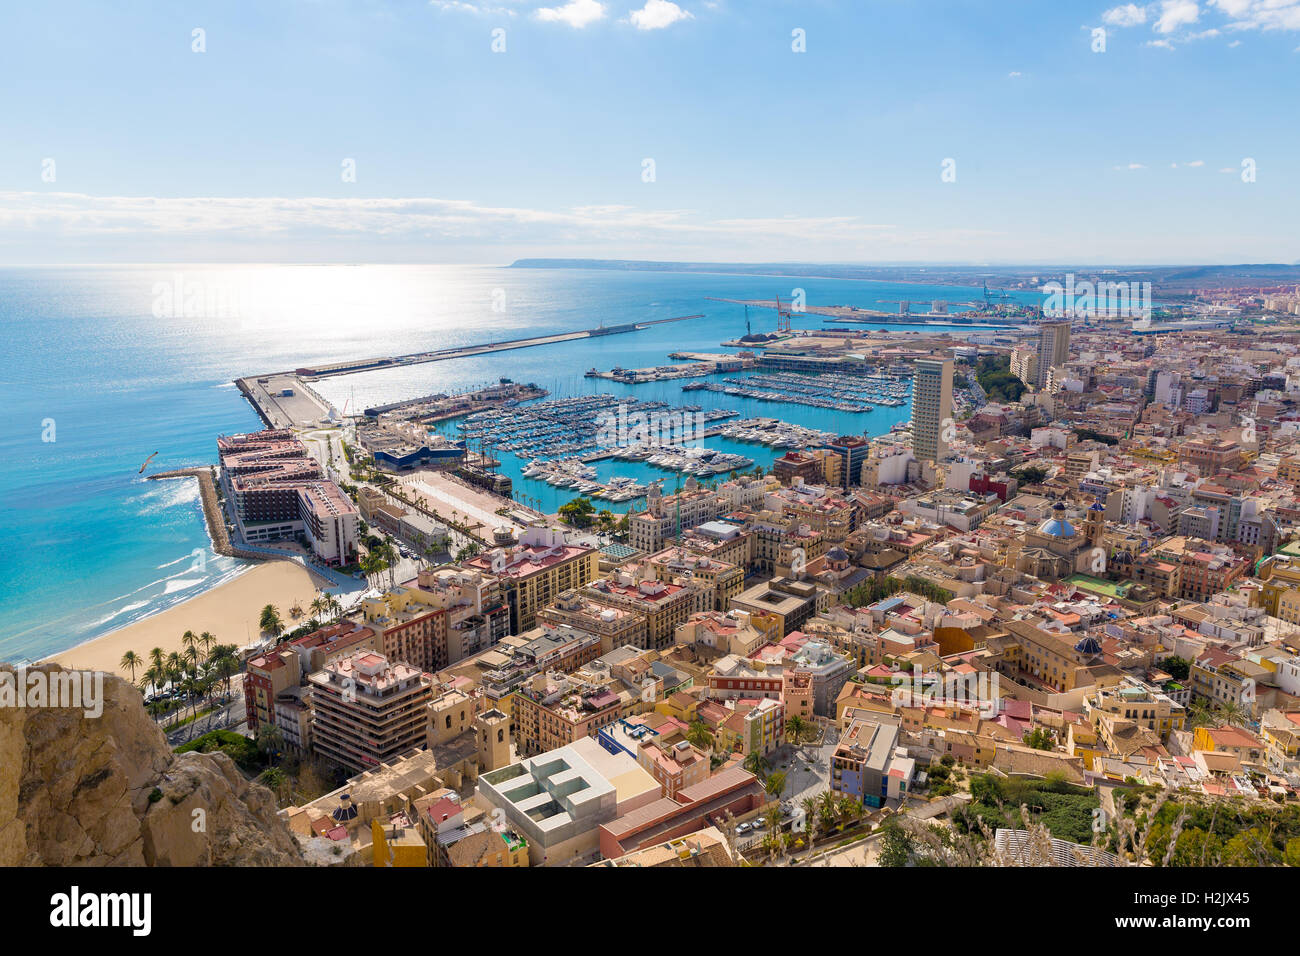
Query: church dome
point(1057, 526)
point(1088, 645)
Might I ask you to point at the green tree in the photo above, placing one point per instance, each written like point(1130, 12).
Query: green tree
point(698, 736)
point(270, 622)
point(796, 728)
point(758, 765)
point(131, 662)
point(577, 512)
point(896, 845)
point(775, 784)
point(1040, 738)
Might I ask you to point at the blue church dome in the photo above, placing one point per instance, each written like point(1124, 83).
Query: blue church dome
point(1088, 645)
point(1057, 526)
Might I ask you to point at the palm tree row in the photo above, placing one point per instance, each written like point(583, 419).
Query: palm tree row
point(826, 812)
point(194, 670)
point(324, 608)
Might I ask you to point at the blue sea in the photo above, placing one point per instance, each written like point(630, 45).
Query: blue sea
point(106, 366)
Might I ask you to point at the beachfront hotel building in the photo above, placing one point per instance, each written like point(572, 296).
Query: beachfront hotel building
point(931, 408)
point(534, 572)
point(275, 490)
point(368, 710)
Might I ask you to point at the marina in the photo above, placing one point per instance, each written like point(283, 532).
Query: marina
point(590, 425)
point(829, 390)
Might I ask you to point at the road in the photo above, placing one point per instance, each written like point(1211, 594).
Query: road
point(807, 767)
point(229, 716)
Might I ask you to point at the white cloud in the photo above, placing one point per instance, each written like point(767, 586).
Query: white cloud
point(1163, 44)
point(576, 13)
point(1128, 15)
point(471, 6)
point(657, 14)
point(1197, 162)
point(1013, 74)
point(288, 221)
point(1175, 14)
point(1132, 166)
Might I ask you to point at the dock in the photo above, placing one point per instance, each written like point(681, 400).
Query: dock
point(466, 351)
point(852, 314)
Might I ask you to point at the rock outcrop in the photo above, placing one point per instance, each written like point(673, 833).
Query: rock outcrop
point(79, 790)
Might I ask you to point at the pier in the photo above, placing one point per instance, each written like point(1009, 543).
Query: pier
point(466, 351)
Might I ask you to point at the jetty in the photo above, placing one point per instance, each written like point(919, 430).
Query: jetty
point(213, 514)
point(466, 351)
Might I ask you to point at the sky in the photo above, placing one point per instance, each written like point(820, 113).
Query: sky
point(971, 131)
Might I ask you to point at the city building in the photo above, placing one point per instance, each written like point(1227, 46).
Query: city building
point(535, 571)
point(932, 421)
point(368, 710)
point(558, 800)
point(1053, 349)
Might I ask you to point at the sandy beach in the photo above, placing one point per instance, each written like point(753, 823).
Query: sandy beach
point(230, 611)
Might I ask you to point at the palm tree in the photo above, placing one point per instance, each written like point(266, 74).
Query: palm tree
point(847, 809)
point(224, 663)
point(371, 563)
point(775, 784)
point(773, 839)
point(698, 735)
point(129, 662)
point(156, 658)
point(809, 805)
point(152, 677)
point(826, 810)
point(795, 728)
point(758, 765)
point(175, 667)
point(206, 640)
point(388, 554)
point(189, 640)
point(1230, 712)
point(319, 605)
point(270, 622)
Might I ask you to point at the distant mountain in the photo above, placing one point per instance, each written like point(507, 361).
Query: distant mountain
point(1166, 277)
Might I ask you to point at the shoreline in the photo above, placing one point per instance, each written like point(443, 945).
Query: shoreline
point(230, 611)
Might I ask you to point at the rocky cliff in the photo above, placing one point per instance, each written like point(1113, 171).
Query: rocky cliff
point(107, 791)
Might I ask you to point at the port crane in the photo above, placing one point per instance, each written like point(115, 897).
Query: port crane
point(996, 294)
point(782, 316)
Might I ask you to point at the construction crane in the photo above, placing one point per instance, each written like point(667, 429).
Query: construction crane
point(990, 296)
point(782, 316)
